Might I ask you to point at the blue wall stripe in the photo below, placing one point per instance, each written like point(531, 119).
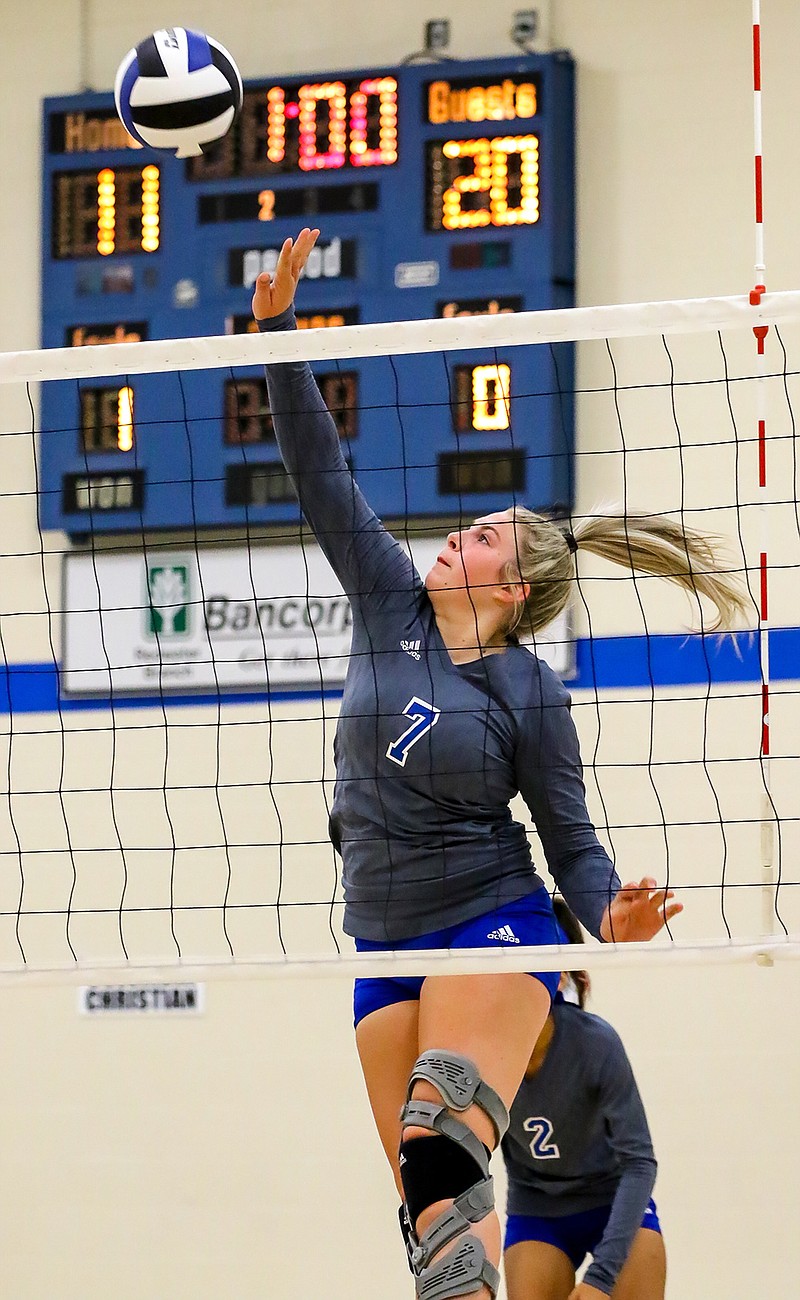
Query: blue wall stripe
point(636, 661)
point(607, 663)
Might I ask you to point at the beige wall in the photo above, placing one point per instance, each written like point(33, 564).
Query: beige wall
point(232, 1154)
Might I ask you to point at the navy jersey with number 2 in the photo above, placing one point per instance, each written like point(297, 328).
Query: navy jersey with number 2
point(429, 753)
point(578, 1138)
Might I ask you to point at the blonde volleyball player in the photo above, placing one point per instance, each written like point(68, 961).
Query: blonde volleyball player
point(430, 749)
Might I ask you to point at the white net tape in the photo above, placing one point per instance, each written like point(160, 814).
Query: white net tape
point(511, 329)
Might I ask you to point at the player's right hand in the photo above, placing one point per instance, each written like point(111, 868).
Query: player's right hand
point(274, 293)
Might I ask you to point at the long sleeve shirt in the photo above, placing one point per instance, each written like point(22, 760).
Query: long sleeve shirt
point(430, 753)
point(578, 1138)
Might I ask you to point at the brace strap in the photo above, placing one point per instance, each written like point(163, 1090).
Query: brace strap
point(458, 1080)
point(462, 1272)
point(407, 1232)
point(430, 1115)
point(468, 1208)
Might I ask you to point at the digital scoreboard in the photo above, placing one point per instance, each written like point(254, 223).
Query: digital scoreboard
point(440, 190)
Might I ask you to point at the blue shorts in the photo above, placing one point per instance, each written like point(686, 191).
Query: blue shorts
point(577, 1235)
point(528, 921)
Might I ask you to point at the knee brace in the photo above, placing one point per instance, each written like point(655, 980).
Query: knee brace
point(434, 1170)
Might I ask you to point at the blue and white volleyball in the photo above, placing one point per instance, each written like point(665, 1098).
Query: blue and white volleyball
point(178, 90)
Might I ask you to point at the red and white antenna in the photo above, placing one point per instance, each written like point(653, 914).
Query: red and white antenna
point(760, 332)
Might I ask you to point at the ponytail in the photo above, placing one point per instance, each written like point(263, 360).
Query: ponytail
point(698, 562)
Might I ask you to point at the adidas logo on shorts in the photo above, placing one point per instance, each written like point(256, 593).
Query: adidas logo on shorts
point(505, 934)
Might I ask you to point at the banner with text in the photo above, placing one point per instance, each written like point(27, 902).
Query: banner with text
point(220, 618)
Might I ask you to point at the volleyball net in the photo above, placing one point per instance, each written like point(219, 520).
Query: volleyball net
point(170, 689)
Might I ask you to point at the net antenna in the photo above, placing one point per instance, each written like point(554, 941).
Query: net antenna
point(768, 828)
point(224, 896)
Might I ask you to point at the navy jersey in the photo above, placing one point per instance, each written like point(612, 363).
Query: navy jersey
point(578, 1137)
point(429, 753)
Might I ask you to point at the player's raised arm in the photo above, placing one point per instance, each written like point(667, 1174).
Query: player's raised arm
point(363, 555)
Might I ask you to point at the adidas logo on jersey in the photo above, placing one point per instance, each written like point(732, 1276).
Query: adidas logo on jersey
point(505, 934)
point(411, 648)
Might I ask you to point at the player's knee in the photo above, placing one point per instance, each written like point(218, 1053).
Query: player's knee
point(443, 1161)
point(433, 1168)
point(441, 1157)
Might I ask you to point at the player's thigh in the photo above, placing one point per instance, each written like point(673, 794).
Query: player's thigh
point(388, 1045)
point(535, 1270)
point(492, 1019)
point(644, 1275)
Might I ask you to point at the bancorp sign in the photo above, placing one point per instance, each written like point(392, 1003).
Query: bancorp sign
point(270, 618)
point(326, 616)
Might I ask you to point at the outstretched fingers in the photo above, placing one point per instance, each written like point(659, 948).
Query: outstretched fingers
point(654, 906)
point(299, 252)
point(660, 909)
point(274, 293)
point(639, 911)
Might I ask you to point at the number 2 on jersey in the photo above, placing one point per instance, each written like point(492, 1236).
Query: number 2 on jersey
point(541, 1146)
point(424, 717)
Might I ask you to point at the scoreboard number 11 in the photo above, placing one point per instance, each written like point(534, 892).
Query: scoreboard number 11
point(111, 210)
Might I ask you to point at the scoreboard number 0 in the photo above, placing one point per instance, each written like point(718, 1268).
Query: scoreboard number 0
point(482, 398)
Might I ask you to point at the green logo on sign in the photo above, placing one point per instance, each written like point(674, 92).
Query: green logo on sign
point(168, 598)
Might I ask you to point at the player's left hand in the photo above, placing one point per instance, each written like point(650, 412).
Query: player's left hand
point(585, 1292)
point(637, 913)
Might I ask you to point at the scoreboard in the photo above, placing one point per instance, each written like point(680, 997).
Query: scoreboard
point(441, 190)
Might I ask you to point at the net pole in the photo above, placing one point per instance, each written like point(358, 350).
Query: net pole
point(768, 916)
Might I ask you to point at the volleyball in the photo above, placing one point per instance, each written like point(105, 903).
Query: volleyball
point(178, 91)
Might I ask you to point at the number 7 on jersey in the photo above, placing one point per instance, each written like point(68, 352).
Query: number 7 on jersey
point(424, 717)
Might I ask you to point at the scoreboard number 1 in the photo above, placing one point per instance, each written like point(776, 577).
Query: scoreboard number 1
point(106, 419)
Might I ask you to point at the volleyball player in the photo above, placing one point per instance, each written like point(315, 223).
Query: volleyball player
point(444, 718)
point(580, 1163)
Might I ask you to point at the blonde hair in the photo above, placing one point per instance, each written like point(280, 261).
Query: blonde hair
point(698, 562)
